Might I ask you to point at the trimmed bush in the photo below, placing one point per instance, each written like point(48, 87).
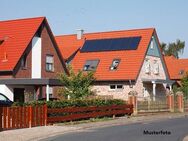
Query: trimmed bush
point(73, 103)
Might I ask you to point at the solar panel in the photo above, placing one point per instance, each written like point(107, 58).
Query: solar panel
point(128, 43)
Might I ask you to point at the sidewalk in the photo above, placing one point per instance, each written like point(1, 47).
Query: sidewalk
point(37, 133)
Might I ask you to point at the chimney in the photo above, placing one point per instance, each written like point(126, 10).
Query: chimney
point(80, 33)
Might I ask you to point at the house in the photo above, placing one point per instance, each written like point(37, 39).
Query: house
point(29, 59)
point(123, 61)
point(176, 68)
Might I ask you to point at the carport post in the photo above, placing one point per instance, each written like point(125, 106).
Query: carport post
point(47, 92)
point(170, 87)
point(154, 90)
point(1, 113)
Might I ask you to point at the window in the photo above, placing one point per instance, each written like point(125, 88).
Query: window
point(147, 66)
point(24, 62)
point(156, 67)
point(119, 86)
point(1, 41)
point(181, 72)
point(49, 63)
point(152, 43)
point(116, 87)
point(115, 64)
point(113, 87)
point(91, 65)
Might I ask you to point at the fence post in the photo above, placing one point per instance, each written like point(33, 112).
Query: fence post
point(180, 101)
point(45, 114)
point(170, 102)
point(30, 116)
point(132, 99)
point(1, 113)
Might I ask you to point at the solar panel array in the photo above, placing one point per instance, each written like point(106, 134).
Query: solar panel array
point(128, 43)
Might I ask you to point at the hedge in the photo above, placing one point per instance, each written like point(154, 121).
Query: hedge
point(73, 103)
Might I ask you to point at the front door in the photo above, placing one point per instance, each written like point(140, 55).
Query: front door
point(18, 94)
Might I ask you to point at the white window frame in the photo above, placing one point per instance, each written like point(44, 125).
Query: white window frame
point(116, 89)
point(112, 67)
point(49, 63)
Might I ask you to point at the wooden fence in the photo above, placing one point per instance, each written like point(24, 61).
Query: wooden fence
point(22, 117)
point(77, 113)
point(26, 117)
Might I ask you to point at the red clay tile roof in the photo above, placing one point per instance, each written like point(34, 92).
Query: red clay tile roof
point(174, 66)
point(68, 45)
point(16, 35)
point(131, 60)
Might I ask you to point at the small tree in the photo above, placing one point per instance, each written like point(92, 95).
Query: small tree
point(76, 85)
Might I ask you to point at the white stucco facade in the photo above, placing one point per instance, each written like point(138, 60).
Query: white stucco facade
point(36, 57)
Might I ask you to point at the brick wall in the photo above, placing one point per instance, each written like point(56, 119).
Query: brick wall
point(25, 72)
point(48, 48)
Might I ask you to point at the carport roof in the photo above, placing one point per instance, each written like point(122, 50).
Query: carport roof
point(28, 81)
point(158, 81)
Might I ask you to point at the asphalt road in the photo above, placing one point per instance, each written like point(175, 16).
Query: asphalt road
point(163, 130)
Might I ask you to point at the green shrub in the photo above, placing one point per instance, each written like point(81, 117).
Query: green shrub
point(73, 103)
point(83, 103)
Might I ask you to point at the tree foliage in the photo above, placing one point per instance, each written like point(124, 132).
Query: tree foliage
point(174, 48)
point(76, 85)
point(184, 82)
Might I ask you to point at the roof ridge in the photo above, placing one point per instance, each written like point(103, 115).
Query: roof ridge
point(23, 19)
point(108, 31)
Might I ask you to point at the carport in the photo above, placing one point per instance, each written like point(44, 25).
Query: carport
point(30, 82)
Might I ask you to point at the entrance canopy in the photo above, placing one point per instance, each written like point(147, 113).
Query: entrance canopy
point(158, 81)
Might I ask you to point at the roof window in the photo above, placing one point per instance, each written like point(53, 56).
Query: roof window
point(91, 65)
point(181, 72)
point(115, 64)
point(1, 41)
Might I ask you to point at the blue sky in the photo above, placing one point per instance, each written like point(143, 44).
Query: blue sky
point(169, 17)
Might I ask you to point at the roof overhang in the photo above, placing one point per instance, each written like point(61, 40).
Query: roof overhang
point(29, 81)
point(115, 80)
point(158, 81)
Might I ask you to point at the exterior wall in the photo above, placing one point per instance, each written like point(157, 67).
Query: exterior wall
point(25, 72)
point(139, 84)
point(7, 91)
point(29, 94)
point(55, 92)
point(104, 88)
point(48, 48)
point(153, 51)
point(5, 76)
